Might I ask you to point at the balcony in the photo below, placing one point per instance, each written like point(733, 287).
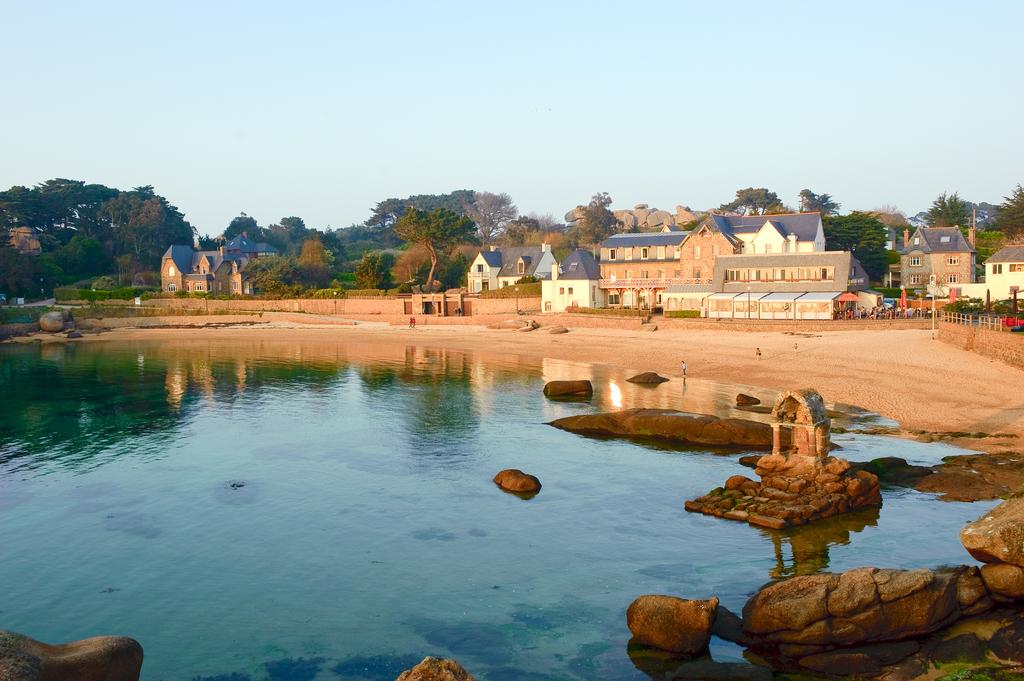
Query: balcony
point(650, 282)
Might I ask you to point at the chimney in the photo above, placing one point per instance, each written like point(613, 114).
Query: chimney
point(493, 249)
point(972, 235)
point(906, 237)
point(545, 247)
point(221, 249)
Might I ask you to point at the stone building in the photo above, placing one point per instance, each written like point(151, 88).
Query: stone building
point(939, 252)
point(222, 271)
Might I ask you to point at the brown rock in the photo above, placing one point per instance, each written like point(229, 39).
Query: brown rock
point(648, 327)
point(558, 329)
point(737, 482)
point(670, 623)
point(647, 378)
point(103, 658)
point(436, 669)
point(51, 322)
point(675, 426)
point(998, 536)
point(514, 480)
point(744, 400)
point(568, 389)
point(976, 477)
point(1004, 579)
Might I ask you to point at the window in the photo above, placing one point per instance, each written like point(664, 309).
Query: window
point(944, 240)
point(643, 253)
point(504, 284)
point(547, 306)
point(479, 268)
point(915, 278)
point(561, 290)
point(521, 268)
point(611, 254)
point(172, 287)
point(170, 271)
point(572, 266)
point(661, 252)
point(824, 273)
point(696, 252)
point(1017, 267)
point(997, 268)
point(952, 278)
point(915, 261)
point(953, 260)
point(644, 274)
point(570, 290)
point(485, 286)
point(628, 254)
point(696, 273)
point(234, 286)
point(613, 298)
point(917, 241)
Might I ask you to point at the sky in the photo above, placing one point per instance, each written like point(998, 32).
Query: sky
point(322, 109)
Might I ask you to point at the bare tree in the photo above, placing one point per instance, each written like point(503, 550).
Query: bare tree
point(491, 213)
point(890, 216)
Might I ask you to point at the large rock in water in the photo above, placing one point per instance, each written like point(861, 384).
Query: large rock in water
point(514, 480)
point(997, 536)
point(864, 606)
point(647, 378)
point(670, 623)
point(436, 669)
point(744, 400)
point(103, 658)
point(51, 322)
point(568, 389)
point(668, 424)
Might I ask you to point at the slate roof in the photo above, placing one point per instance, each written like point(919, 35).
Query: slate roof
point(689, 288)
point(492, 258)
point(803, 225)
point(186, 259)
point(509, 257)
point(644, 239)
point(1008, 254)
point(244, 244)
point(579, 264)
point(939, 240)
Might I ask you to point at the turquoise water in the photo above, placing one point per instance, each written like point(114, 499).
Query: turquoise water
point(260, 510)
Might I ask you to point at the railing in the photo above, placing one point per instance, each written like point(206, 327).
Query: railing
point(991, 322)
point(650, 282)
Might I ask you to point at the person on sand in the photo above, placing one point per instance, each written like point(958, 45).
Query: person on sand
point(683, 366)
point(412, 322)
point(757, 353)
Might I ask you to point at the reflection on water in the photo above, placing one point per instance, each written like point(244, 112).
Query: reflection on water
point(289, 509)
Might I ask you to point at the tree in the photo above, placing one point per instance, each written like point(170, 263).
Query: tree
point(315, 262)
point(754, 201)
point(274, 275)
point(374, 270)
point(861, 233)
point(243, 224)
point(491, 213)
point(598, 222)
point(1010, 217)
point(437, 231)
point(890, 216)
point(818, 203)
point(948, 211)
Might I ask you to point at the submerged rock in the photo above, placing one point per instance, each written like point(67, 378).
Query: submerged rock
point(514, 480)
point(998, 536)
point(669, 623)
point(976, 477)
point(436, 669)
point(668, 424)
point(102, 658)
point(744, 400)
point(893, 470)
point(647, 378)
point(568, 388)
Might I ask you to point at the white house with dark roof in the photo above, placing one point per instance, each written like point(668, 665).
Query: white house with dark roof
point(496, 267)
point(573, 283)
point(1004, 270)
point(786, 233)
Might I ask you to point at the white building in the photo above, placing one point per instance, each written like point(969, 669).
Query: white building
point(499, 267)
point(573, 283)
point(1004, 269)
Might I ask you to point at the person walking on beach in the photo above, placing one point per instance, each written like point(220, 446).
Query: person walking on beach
point(684, 368)
point(757, 353)
point(412, 322)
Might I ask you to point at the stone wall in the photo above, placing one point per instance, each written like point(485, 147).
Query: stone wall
point(1001, 345)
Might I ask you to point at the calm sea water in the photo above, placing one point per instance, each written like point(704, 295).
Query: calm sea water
point(262, 510)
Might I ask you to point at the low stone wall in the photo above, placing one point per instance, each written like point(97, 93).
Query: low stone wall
point(484, 306)
point(1001, 345)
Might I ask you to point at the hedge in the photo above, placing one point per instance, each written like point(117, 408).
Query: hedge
point(683, 314)
point(514, 291)
point(67, 293)
point(610, 311)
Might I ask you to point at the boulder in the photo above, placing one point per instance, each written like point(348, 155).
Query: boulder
point(103, 658)
point(855, 608)
point(1003, 579)
point(436, 669)
point(51, 322)
point(670, 623)
point(526, 328)
point(647, 378)
point(1008, 642)
point(74, 334)
point(671, 425)
point(998, 536)
point(648, 327)
point(558, 329)
point(509, 325)
point(568, 389)
point(744, 400)
point(514, 480)
point(976, 477)
point(893, 470)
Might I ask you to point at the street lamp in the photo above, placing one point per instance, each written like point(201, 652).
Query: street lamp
point(42, 293)
point(335, 303)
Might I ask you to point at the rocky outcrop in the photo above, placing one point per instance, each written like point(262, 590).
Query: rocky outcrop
point(568, 389)
point(674, 624)
point(514, 480)
point(976, 477)
point(436, 669)
point(998, 536)
point(744, 400)
point(103, 658)
point(51, 322)
point(647, 378)
point(641, 218)
point(794, 490)
point(671, 425)
point(513, 325)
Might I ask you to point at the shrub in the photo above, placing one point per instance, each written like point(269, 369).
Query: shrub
point(514, 291)
point(366, 292)
point(683, 314)
point(328, 293)
point(66, 293)
point(610, 311)
point(103, 284)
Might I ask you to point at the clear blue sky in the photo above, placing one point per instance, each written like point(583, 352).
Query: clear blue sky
point(321, 109)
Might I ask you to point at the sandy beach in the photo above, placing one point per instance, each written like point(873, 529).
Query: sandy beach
point(923, 384)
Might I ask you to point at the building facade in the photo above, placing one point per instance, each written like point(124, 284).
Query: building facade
point(939, 252)
point(221, 272)
point(573, 284)
point(1004, 272)
point(499, 267)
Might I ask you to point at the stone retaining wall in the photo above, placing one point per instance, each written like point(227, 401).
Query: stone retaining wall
point(1001, 345)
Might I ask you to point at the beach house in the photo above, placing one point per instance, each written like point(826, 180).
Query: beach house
point(1004, 273)
point(496, 267)
point(573, 284)
point(220, 271)
point(939, 252)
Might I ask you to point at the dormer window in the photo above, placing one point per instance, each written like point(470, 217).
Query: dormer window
point(611, 254)
point(170, 271)
point(944, 240)
point(917, 241)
